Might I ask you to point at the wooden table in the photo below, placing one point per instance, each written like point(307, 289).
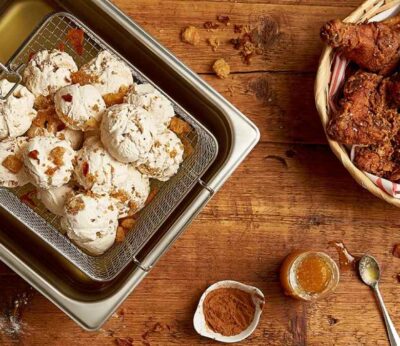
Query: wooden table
point(291, 192)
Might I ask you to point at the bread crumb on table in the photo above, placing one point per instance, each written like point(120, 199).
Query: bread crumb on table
point(221, 68)
point(214, 42)
point(191, 35)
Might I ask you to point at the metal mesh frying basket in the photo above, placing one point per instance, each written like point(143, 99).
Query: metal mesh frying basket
point(50, 35)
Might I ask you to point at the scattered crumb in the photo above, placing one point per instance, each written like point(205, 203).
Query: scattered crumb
point(221, 68)
point(224, 19)
point(56, 155)
point(187, 147)
point(210, 26)
point(115, 98)
point(76, 37)
point(191, 35)
point(237, 29)
point(12, 163)
point(214, 42)
point(179, 127)
point(396, 251)
point(75, 205)
point(43, 102)
point(151, 196)
point(332, 320)
point(128, 223)
point(83, 78)
point(120, 237)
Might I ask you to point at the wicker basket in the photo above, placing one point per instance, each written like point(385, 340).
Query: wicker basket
point(367, 10)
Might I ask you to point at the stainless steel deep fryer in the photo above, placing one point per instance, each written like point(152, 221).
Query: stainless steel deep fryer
point(50, 35)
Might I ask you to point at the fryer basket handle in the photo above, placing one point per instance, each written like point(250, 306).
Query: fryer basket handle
point(10, 72)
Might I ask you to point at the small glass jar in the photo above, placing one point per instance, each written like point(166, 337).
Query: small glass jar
point(309, 275)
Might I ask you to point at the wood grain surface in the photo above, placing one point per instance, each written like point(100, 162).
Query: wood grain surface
point(290, 193)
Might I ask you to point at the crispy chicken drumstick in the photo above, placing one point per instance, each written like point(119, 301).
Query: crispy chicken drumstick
point(373, 46)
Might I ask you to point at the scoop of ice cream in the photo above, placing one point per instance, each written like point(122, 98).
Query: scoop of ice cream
point(48, 71)
point(164, 158)
point(91, 222)
point(130, 189)
point(127, 133)
point(54, 199)
point(95, 167)
point(149, 98)
point(75, 137)
point(16, 112)
point(48, 161)
point(79, 107)
point(108, 73)
point(12, 172)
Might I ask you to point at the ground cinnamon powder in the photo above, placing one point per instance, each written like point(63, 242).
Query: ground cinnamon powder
point(228, 311)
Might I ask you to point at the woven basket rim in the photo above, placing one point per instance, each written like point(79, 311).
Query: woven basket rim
point(367, 10)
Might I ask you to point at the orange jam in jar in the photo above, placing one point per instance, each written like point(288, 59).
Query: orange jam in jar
point(309, 275)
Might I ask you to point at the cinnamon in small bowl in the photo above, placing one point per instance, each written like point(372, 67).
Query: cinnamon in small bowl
point(228, 311)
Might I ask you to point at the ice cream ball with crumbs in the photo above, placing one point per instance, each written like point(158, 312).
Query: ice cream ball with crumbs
point(107, 73)
point(148, 97)
point(129, 189)
point(91, 221)
point(12, 172)
point(95, 167)
point(16, 112)
point(79, 107)
point(48, 71)
point(48, 161)
point(128, 133)
point(164, 158)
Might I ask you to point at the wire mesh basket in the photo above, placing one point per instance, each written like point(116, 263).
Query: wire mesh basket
point(49, 35)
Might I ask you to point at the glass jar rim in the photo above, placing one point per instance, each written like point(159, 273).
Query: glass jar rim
point(297, 289)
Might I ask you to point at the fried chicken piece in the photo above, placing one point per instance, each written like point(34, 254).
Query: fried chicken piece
point(376, 159)
point(393, 90)
point(373, 46)
point(365, 117)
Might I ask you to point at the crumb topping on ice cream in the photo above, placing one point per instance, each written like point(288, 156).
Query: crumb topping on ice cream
point(130, 190)
point(48, 161)
point(108, 73)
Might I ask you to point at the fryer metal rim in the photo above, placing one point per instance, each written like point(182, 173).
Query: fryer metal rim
point(131, 255)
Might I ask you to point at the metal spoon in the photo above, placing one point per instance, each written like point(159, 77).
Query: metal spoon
point(370, 274)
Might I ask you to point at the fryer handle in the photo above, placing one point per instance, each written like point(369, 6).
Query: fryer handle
point(10, 72)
